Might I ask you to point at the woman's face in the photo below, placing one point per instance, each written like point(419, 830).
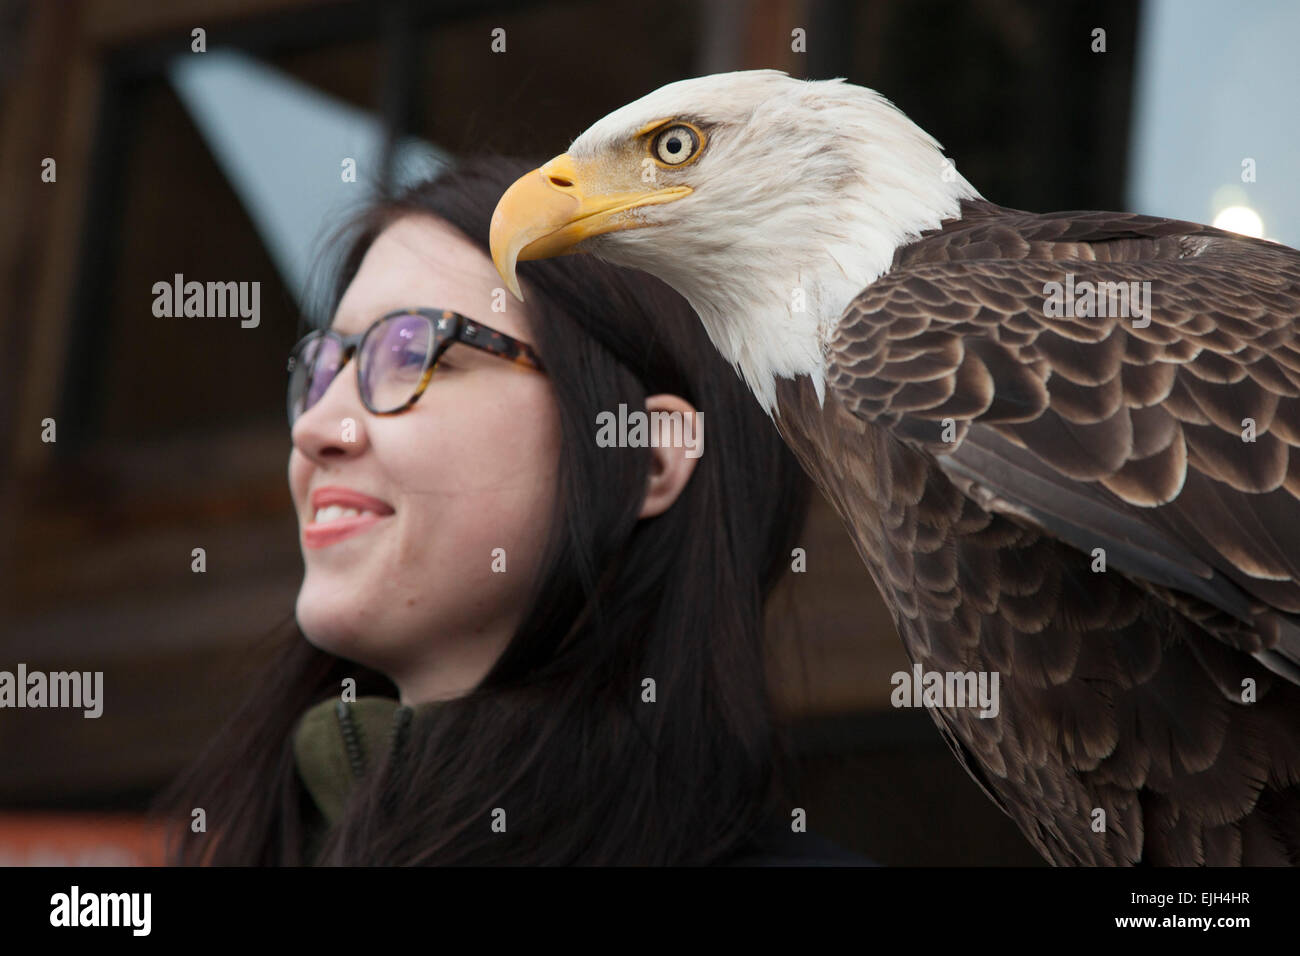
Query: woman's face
point(467, 470)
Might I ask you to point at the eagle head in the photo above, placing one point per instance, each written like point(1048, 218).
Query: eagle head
point(767, 202)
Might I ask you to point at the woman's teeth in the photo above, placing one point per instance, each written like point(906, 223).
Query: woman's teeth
point(334, 512)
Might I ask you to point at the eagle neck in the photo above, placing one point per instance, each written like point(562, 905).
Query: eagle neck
point(780, 324)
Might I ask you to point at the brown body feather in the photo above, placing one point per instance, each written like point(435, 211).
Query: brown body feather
point(1120, 690)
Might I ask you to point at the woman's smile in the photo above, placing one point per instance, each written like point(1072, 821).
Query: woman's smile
point(334, 524)
point(340, 513)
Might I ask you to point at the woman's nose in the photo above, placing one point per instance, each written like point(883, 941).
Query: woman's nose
point(335, 419)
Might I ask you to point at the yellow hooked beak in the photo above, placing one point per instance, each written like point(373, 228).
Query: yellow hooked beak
point(550, 210)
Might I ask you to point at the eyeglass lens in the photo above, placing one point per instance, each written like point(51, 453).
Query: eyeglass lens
point(391, 363)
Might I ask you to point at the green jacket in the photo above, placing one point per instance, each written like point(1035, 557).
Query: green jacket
point(334, 744)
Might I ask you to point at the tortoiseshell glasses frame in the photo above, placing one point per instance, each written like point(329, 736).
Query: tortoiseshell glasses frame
point(433, 332)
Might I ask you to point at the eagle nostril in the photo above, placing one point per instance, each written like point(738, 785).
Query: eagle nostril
point(560, 181)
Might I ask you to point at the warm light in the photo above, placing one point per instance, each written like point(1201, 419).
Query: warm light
point(1240, 219)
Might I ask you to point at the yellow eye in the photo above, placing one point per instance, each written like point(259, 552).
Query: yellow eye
point(676, 144)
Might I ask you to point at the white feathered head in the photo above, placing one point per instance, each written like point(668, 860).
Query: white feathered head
point(767, 202)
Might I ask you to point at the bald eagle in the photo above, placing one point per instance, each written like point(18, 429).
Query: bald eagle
point(1066, 446)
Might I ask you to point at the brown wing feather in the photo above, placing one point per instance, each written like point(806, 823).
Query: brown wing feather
point(1121, 691)
point(1148, 421)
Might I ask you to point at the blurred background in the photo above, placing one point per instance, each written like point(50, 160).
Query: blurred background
point(226, 164)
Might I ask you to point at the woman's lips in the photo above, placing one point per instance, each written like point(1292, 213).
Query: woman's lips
point(319, 534)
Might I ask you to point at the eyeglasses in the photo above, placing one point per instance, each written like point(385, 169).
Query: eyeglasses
point(396, 357)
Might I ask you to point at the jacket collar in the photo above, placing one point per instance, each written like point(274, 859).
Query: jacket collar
point(336, 742)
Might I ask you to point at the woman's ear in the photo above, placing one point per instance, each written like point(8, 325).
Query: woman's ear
point(678, 432)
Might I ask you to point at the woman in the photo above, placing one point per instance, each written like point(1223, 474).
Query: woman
point(527, 647)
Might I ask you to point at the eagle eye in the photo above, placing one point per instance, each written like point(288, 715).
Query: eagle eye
point(676, 144)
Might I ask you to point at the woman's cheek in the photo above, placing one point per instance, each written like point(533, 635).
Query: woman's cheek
point(505, 533)
point(510, 531)
point(486, 484)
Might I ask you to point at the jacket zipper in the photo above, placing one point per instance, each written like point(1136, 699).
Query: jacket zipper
point(351, 739)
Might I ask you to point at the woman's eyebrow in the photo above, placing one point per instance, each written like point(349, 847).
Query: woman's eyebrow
point(338, 324)
point(352, 325)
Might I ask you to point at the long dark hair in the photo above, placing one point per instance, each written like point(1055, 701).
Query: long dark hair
point(557, 730)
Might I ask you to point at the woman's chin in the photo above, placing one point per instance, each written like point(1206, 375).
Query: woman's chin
point(324, 622)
